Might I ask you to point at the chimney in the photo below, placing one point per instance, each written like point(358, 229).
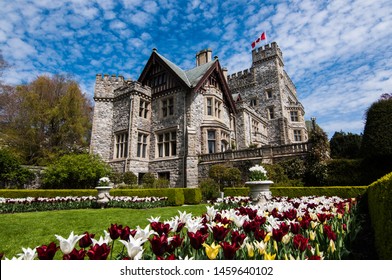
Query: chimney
point(203, 57)
point(224, 72)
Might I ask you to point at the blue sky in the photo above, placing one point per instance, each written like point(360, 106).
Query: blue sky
point(338, 53)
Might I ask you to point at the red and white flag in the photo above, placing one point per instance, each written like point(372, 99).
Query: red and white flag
point(261, 38)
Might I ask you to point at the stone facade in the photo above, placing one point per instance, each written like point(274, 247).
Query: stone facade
point(163, 122)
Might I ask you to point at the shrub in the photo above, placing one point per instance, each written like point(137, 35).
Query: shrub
point(341, 191)
point(217, 173)
point(209, 189)
point(80, 171)
point(148, 180)
point(192, 195)
point(11, 172)
point(344, 172)
point(294, 168)
point(231, 177)
point(129, 178)
point(161, 183)
point(244, 191)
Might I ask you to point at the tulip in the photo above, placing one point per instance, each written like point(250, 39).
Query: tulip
point(269, 257)
point(144, 234)
point(250, 249)
point(220, 232)
point(197, 239)
point(212, 251)
point(47, 252)
point(237, 238)
point(134, 247)
point(86, 240)
point(300, 242)
point(28, 254)
point(331, 247)
point(277, 234)
point(329, 232)
point(98, 252)
point(75, 255)
point(261, 245)
point(67, 245)
point(115, 231)
point(159, 244)
point(312, 235)
point(259, 234)
point(160, 228)
point(229, 250)
point(170, 257)
point(175, 242)
point(286, 239)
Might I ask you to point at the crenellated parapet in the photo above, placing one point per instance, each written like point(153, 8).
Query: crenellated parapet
point(132, 88)
point(266, 52)
point(106, 84)
point(241, 79)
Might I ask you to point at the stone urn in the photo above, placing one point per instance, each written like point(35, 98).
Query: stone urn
point(259, 191)
point(103, 196)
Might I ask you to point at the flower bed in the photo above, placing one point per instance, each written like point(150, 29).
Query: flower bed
point(30, 204)
point(297, 228)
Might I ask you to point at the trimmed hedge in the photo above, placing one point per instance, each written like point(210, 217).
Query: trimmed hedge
point(344, 192)
point(46, 193)
point(192, 195)
point(380, 211)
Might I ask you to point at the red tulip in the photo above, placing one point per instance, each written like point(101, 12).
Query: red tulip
point(75, 255)
point(329, 232)
point(170, 257)
point(229, 250)
point(99, 252)
point(285, 228)
point(277, 234)
point(290, 214)
point(125, 233)
point(295, 228)
point(220, 232)
point(314, 258)
point(160, 228)
point(47, 252)
point(300, 242)
point(175, 242)
point(159, 244)
point(237, 238)
point(86, 240)
point(115, 231)
point(197, 239)
point(260, 234)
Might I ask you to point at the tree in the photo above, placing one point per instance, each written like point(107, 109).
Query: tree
point(11, 172)
point(345, 145)
point(81, 171)
point(47, 118)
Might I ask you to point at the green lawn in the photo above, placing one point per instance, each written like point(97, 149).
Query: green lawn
point(37, 228)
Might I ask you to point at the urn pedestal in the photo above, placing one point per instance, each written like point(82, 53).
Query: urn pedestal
point(103, 196)
point(259, 191)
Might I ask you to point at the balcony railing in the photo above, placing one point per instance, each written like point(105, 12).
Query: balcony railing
point(263, 152)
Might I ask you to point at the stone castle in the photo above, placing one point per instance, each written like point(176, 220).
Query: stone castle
point(169, 118)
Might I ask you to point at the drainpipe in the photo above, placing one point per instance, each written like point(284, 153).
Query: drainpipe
point(185, 144)
point(129, 133)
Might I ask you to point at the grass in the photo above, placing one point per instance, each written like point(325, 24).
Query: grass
point(38, 228)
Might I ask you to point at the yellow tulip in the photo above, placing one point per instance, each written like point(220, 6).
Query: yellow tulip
point(286, 239)
point(312, 235)
point(261, 246)
point(251, 250)
point(212, 251)
point(269, 257)
point(267, 237)
point(331, 247)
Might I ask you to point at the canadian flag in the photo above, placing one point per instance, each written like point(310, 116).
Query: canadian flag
point(262, 37)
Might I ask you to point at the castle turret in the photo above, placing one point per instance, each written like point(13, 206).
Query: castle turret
point(203, 57)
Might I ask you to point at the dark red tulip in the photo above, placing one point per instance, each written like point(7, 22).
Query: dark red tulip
point(295, 228)
point(344, 226)
point(99, 252)
point(115, 231)
point(47, 252)
point(290, 214)
point(75, 255)
point(305, 222)
point(329, 232)
point(197, 239)
point(86, 241)
point(277, 234)
point(229, 250)
point(251, 226)
point(237, 238)
point(170, 257)
point(160, 228)
point(220, 232)
point(260, 234)
point(175, 242)
point(300, 242)
point(285, 228)
point(180, 227)
point(314, 258)
point(159, 244)
point(125, 233)
point(322, 217)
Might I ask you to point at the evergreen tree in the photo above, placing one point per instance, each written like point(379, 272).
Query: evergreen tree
point(345, 145)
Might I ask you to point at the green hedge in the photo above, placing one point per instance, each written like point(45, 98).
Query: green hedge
point(380, 211)
point(192, 195)
point(46, 193)
point(345, 192)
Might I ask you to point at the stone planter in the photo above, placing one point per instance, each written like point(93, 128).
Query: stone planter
point(259, 191)
point(103, 196)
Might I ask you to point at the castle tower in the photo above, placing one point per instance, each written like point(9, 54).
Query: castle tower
point(267, 88)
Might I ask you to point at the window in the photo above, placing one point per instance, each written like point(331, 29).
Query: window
point(167, 144)
point(297, 136)
point(294, 116)
point(253, 102)
point(121, 150)
point(168, 107)
point(270, 113)
point(224, 145)
point(269, 93)
point(255, 126)
point(209, 106)
point(214, 107)
point(164, 175)
point(211, 141)
point(142, 145)
point(144, 108)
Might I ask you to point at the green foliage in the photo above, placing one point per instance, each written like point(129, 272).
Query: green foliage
point(75, 172)
point(217, 173)
point(11, 172)
point(148, 180)
point(209, 189)
point(192, 195)
point(46, 193)
point(380, 210)
point(294, 168)
point(47, 118)
point(116, 177)
point(129, 178)
point(344, 172)
point(345, 145)
point(231, 177)
point(161, 183)
point(377, 136)
point(341, 191)
point(244, 191)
